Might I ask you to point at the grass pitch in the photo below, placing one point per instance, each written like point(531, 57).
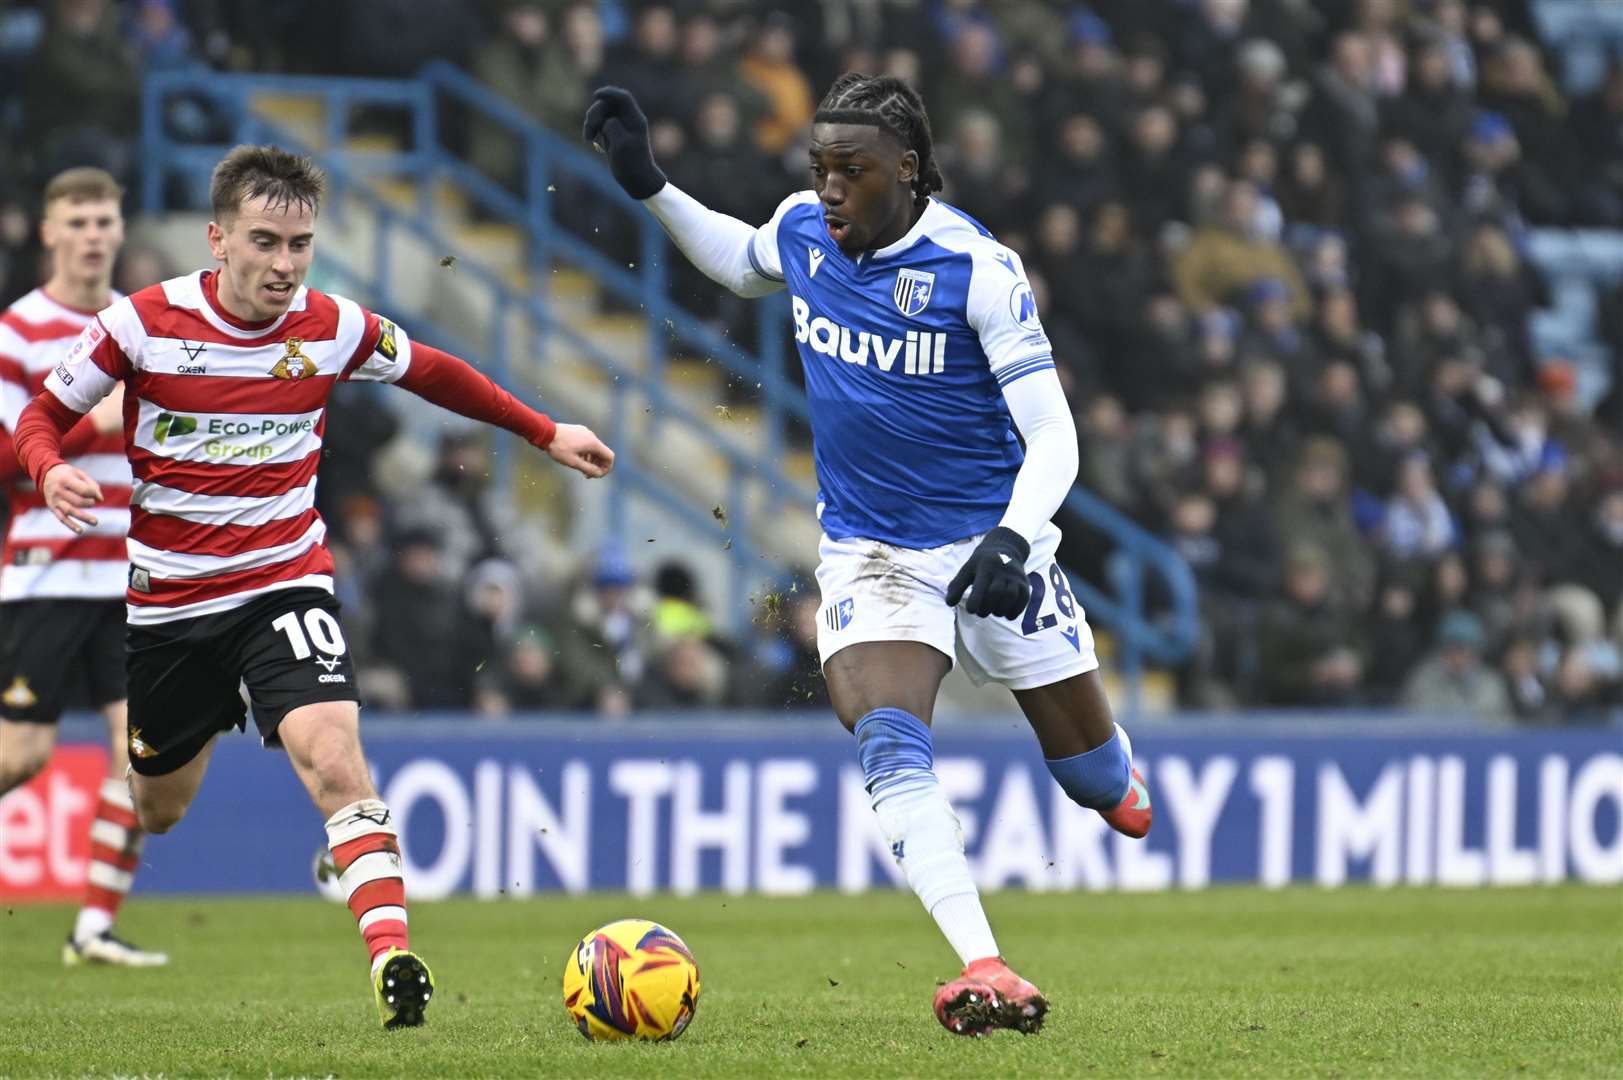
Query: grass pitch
point(1222, 983)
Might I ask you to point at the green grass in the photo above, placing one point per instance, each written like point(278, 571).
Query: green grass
point(1230, 982)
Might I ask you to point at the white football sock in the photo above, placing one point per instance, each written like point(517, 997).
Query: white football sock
point(923, 832)
point(91, 922)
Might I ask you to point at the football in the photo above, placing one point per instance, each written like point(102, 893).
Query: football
point(631, 979)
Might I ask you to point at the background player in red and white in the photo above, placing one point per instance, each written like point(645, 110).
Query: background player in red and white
point(226, 375)
point(62, 592)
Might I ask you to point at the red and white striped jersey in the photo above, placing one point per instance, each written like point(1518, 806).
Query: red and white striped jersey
point(222, 424)
point(43, 557)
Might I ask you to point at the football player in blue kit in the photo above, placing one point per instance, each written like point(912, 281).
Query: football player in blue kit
point(923, 353)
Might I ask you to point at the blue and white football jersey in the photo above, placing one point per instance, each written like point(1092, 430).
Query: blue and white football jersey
point(906, 351)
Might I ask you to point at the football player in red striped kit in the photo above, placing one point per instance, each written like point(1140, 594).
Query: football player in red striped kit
point(62, 592)
point(226, 375)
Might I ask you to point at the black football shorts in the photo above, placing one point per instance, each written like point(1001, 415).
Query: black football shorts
point(59, 652)
point(186, 677)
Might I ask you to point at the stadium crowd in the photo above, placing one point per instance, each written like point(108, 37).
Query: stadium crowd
point(1281, 248)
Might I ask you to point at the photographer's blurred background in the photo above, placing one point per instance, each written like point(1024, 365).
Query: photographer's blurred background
point(1336, 287)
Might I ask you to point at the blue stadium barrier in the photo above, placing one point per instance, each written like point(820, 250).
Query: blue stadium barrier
point(776, 805)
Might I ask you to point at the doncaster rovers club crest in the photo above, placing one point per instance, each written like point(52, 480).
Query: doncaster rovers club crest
point(913, 289)
point(294, 364)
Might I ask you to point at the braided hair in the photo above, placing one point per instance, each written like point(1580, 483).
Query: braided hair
point(894, 107)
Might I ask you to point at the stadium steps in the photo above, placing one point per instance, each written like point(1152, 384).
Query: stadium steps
point(300, 115)
point(549, 370)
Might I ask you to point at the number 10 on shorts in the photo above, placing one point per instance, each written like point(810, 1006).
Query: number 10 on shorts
point(323, 631)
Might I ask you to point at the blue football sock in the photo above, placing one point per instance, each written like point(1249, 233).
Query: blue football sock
point(898, 761)
point(1097, 779)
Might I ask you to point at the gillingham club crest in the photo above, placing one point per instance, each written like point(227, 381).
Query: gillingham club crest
point(913, 289)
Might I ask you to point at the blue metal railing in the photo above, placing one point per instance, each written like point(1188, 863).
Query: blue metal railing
point(548, 158)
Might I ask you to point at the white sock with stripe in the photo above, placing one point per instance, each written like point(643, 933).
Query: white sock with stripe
point(115, 852)
point(366, 851)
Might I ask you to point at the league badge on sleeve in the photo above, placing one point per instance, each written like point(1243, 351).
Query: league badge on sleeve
point(913, 289)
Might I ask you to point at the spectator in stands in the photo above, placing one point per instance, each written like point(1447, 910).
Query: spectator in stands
point(1418, 523)
point(648, 65)
point(1516, 88)
point(1107, 448)
point(1344, 113)
point(457, 503)
point(530, 680)
point(603, 640)
point(528, 63)
point(494, 603)
point(677, 612)
point(1501, 596)
point(1394, 631)
point(1543, 524)
point(1601, 567)
point(1315, 511)
point(1597, 128)
point(419, 631)
point(1309, 648)
point(1453, 679)
point(685, 674)
point(1153, 176)
point(82, 87)
point(798, 682)
point(1411, 255)
point(1525, 687)
point(769, 67)
point(1311, 193)
point(1270, 434)
point(1276, 334)
point(1248, 560)
point(1080, 170)
point(1433, 113)
point(1229, 256)
point(1499, 291)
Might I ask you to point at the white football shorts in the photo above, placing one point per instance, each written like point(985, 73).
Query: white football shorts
point(872, 591)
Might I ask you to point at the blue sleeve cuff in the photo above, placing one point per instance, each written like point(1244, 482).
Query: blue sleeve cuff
point(1023, 368)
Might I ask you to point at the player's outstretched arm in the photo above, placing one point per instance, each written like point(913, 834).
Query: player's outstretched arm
point(453, 384)
point(718, 244)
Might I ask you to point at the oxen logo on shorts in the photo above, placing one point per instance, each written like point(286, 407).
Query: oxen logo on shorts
point(285, 368)
point(838, 615)
point(19, 695)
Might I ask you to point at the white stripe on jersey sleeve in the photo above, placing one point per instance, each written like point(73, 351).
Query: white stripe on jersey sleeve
point(78, 382)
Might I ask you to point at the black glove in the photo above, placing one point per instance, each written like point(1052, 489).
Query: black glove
point(615, 125)
point(997, 571)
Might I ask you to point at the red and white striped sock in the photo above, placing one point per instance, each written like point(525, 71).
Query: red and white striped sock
point(115, 852)
point(366, 851)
